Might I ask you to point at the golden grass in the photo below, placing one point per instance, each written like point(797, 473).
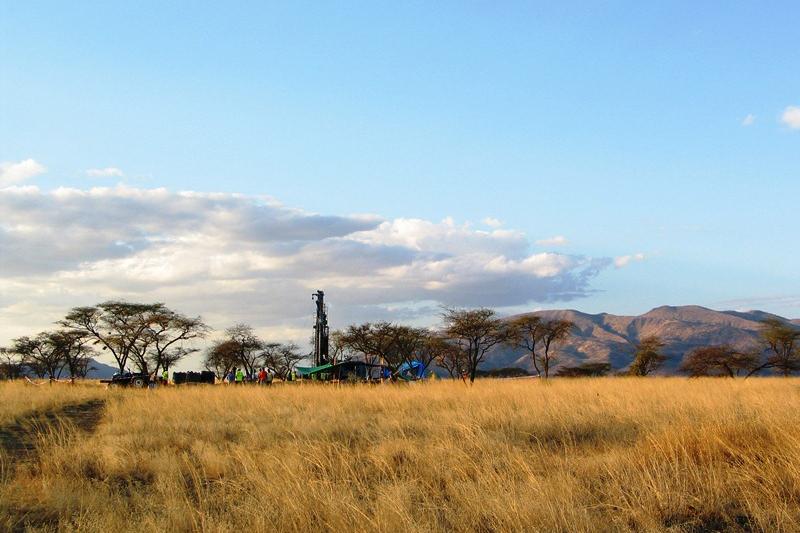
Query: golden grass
point(616, 454)
point(18, 398)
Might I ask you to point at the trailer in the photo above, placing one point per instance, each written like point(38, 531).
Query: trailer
point(194, 378)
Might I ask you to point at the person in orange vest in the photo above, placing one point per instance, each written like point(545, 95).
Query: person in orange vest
point(262, 377)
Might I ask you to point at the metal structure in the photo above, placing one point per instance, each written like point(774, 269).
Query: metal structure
point(320, 330)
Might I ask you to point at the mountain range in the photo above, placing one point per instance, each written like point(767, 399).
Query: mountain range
point(101, 370)
point(607, 338)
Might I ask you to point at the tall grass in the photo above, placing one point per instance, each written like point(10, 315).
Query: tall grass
point(18, 398)
point(620, 454)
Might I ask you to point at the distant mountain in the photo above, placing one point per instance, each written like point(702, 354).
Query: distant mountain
point(607, 338)
point(101, 370)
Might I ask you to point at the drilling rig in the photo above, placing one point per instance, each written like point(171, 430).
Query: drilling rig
point(320, 330)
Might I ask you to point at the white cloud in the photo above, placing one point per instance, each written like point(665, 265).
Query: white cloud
point(11, 173)
point(749, 120)
point(107, 172)
point(625, 260)
point(791, 117)
point(492, 222)
point(558, 240)
point(243, 258)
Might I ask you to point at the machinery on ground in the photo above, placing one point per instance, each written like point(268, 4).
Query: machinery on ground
point(137, 380)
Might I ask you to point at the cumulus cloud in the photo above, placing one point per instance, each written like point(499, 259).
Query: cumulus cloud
point(558, 240)
point(243, 258)
point(791, 117)
point(749, 120)
point(107, 172)
point(492, 222)
point(625, 260)
point(11, 173)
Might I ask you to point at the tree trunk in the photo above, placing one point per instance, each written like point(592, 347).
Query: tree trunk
point(535, 364)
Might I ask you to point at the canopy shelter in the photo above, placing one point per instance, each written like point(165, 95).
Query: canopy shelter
point(307, 371)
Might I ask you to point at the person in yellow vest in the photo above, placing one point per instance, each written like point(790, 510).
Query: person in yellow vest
point(165, 377)
point(239, 376)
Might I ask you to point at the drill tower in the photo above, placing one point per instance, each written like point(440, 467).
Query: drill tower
point(320, 330)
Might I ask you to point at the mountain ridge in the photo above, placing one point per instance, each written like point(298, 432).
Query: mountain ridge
point(609, 338)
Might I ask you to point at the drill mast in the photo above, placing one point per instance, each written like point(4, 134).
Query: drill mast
point(320, 330)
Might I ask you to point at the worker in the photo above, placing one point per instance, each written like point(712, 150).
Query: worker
point(239, 376)
point(165, 377)
point(262, 377)
point(229, 376)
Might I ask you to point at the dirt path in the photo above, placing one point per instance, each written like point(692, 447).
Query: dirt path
point(18, 440)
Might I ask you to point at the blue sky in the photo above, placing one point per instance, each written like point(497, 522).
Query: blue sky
point(620, 126)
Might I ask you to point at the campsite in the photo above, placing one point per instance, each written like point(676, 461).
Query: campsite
point(399, 267)
point(387, 427)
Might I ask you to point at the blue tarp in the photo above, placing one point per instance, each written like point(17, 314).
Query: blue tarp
point(411, 370)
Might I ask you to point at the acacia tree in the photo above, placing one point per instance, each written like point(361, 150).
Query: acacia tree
point(391, 344)
point(553, 333)
point(782, 341)
point(721, 360)
point(373, 341)
point(41, 354)
point(648, 357)
point(221, 356)
point(10, 364)
point(475, 332)
point(432, 347)
point(408, 346)
point(281, 358)
point(527, 332)
point(118, 327)
point(75, 350)
point(447, 355)
point(247, 346)
point(167, 331)
point(150, 335)
point(339, 350)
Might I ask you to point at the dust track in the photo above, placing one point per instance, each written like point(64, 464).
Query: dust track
point(18, 440)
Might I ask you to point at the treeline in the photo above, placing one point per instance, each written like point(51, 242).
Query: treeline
point(461, 345)
point(149, 336)
point(153, 337)
point(242, 348)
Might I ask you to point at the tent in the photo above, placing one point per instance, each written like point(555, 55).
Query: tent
point(411, 371)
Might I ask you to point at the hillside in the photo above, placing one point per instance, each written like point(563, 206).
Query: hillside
point(611, 338)
point(101, 370)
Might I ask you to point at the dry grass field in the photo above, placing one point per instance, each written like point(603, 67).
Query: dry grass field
point(18, 399)
point(613, 454)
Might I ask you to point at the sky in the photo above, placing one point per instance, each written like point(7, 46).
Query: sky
point(230, 158)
